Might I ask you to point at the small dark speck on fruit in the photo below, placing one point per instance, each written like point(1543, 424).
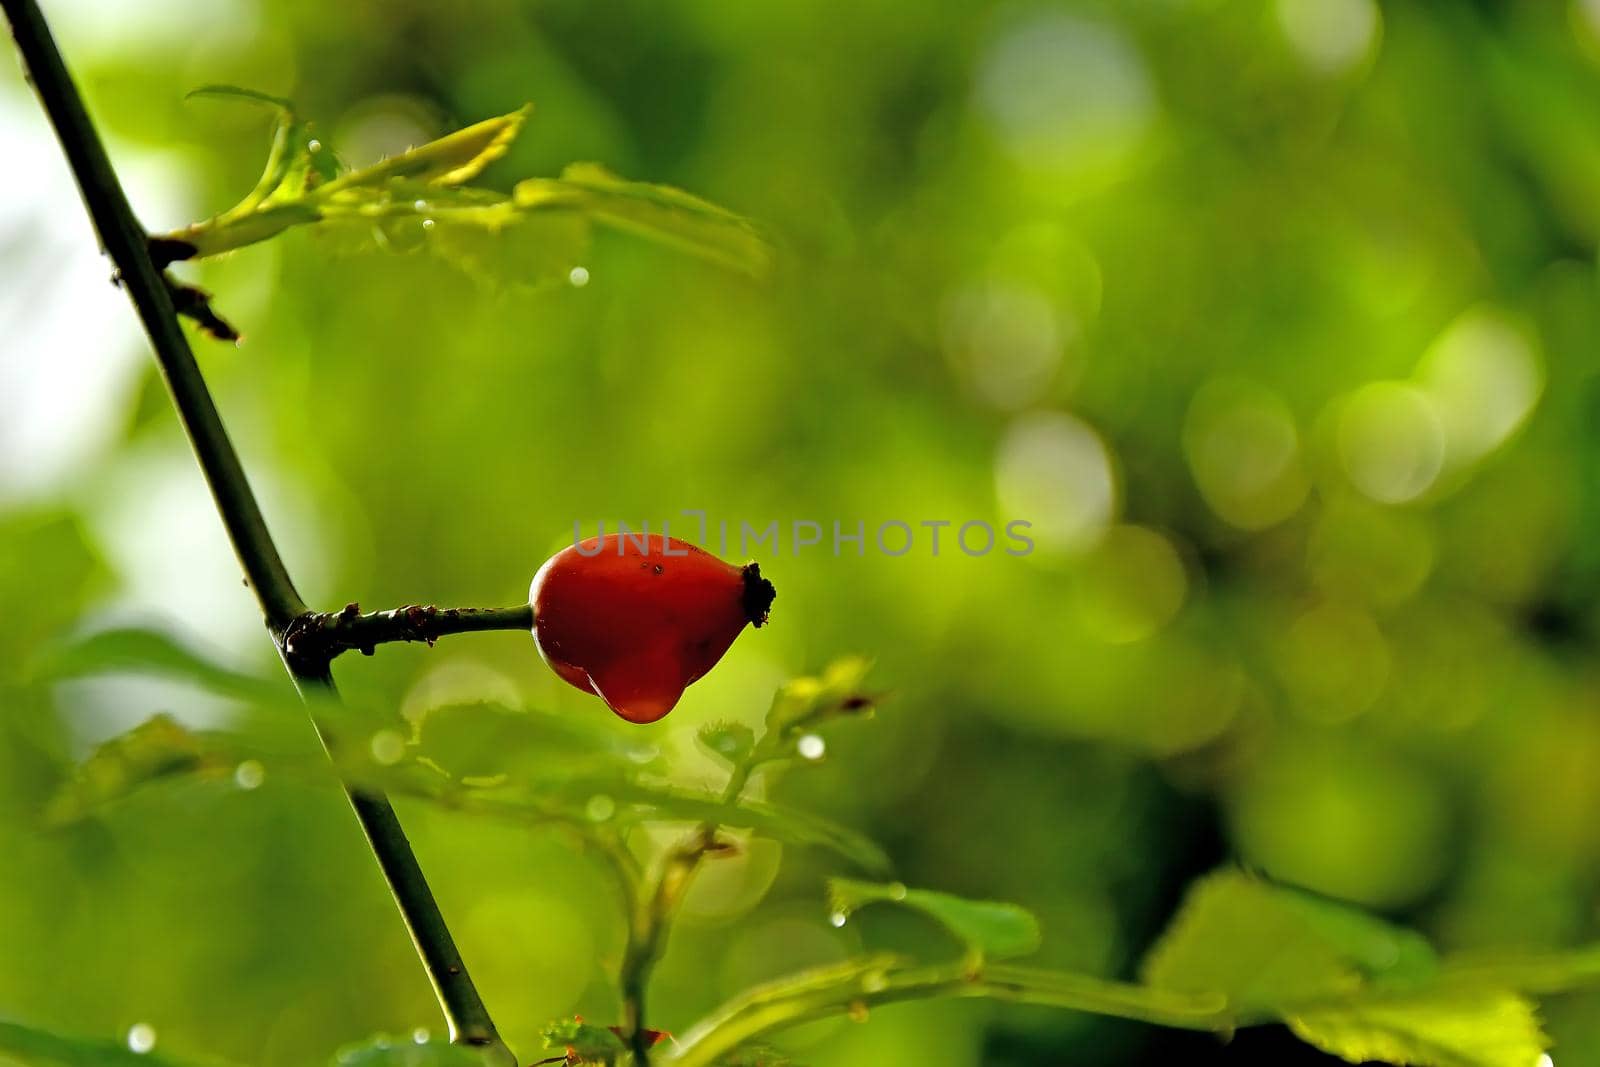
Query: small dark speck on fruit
point(657, 569)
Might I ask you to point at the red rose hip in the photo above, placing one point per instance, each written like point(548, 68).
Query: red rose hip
point(635, 618)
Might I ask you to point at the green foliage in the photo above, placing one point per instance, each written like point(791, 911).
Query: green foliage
point(1440, 1029)
point(420, 199)
point(49, 565)
point(1340, 978)
point(385, 1051)
point(805, 703)
point(449, 161)
point(1350, 984)
point(38, 1048)
point(579, 1042)
point(155, 654)
point(657, 212)
point(757, 1056)
point(486, 743)
point(1178, 246)
point(157, 750)
point(731, 742)
point(989, 929)
point(524, 766)
point(1262, 944)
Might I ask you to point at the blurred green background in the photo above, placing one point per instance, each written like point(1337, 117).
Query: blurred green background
point(1277, 320)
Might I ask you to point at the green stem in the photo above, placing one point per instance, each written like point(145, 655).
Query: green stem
point(126, 242)
point(805, 997)
point(654, 914)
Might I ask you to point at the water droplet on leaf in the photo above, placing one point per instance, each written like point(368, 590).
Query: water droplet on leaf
point(388, 747)
point(249, 774)
point(141, 1037)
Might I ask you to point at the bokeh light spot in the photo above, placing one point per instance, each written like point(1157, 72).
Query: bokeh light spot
point(1330, 36)
point(1005, 341)
point(1243, 450)
point(1335, 662)
point(1356, 824)
point(732, 883)
point(1391, 441)
point(1054, 471)
point(1484, 378)
point(1377, 555)
point(1065, 94)
point(1131, 585)
point(388, 747)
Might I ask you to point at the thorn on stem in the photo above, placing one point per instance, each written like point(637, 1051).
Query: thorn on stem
point(194, 303)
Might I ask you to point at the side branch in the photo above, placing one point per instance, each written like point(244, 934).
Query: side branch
point(654, 914)
point(785, 1003)
point(318, 637)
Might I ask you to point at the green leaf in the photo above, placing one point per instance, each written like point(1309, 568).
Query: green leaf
point(1429, 1030)
point(576, 799)
point(27, 1045)
point(486, 741)
point(481, 232)
point(236, 92)
point(658, 212)
point(156, 654)
point(756, 1056)
point(419, 200)
point(453, 159)
point(796, 826)
point(583, 1043)
point(731, 742)
point(806, 702)
point(991, 929)
point(296, 163)
point(1261, 945)
point(1527, 972)
point(385, 1051)
point(157, 749)
point(48, 564)
point(647, 802)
